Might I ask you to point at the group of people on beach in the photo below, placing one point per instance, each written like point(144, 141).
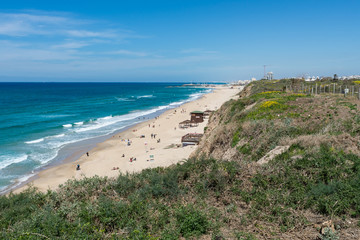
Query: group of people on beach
point(129, 142)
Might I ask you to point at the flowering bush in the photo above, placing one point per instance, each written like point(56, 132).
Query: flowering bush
point(269, 104)
point(269, 92)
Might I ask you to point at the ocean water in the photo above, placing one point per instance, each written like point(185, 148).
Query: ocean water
point(37, 120)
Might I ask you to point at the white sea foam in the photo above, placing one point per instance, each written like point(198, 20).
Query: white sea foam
point(67, 125)
point(79, 123)
point(192, 97)
point(195, 96)
point(56, 115)
point(105, 118)
point(24, 178)
point(107, 121)
point(35, 141)
point(177, 103)
point(59, 135)
point(8, 160)
point(124, 99)
point(145, 96)
point(17, 182)
point(44, 157)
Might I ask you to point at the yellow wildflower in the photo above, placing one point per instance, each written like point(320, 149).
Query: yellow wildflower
point(269, 104)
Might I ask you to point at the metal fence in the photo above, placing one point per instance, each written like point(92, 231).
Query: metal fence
point(333, 88)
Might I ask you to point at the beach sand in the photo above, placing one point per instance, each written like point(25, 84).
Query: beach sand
point(108, 155)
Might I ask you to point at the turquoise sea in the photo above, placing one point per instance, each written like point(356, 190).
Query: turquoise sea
point(37, 120)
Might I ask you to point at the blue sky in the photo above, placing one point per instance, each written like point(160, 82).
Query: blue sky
point(177, 40)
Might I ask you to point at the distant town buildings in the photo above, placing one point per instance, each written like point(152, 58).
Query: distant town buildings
point(244, 82)
point(335, 78)
point(311, 79)
point(350, 77)
point(307, 78)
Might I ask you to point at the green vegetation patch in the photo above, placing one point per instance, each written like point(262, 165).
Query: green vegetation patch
point(267, 95)
point(191, 222)
point(274, 108)
point(147, 205)
point(268, 110)
point(236, 138)
point(327, 182)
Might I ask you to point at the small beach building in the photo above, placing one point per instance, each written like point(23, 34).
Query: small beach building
point(207, 113)
point(197, 116)
point(188, 123)
point(184, 124)
point(191, 139)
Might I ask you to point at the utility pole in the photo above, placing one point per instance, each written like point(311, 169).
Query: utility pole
point(265, 71)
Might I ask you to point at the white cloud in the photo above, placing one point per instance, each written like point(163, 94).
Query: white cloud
point(36, 18)
point(16, 29)
point(129, 53)
point(87, 34)
point(14, 52)
point(35, 55)
point(25, 24)
point(71, 45)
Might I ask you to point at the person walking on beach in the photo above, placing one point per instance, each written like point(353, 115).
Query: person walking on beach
point(87, 153)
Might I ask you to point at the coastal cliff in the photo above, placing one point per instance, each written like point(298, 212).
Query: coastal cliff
point(273, 164)
point(265, 116)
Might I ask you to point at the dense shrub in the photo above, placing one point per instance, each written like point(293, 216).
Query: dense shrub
point(191, 222)
point(326, 181)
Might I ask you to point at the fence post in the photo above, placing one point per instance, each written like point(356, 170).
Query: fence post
point(316, 88)
point(334, 88)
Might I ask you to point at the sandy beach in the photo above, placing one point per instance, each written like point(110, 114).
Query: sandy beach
point(113, 155)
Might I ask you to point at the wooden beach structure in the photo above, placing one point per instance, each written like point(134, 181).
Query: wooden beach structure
point(187, 124)
point(197, 116)
point(207, 113)
point(191, 139)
